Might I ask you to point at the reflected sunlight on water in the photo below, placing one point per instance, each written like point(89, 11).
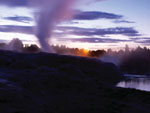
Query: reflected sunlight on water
point(141, 83)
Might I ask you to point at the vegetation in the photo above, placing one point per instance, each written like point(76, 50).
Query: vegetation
point(131, 61)
point(17, 46)
point(136, 61)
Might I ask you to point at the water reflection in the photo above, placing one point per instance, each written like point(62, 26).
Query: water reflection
point(137, 82)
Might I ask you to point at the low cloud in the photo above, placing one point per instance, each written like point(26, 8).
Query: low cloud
point(16, 29)
point(94, 15)
point(84, 32)
point(93, 40)
point(24, 3)
point(142, 40)
point(123, 21)
point(14, 3)
point(75, 30)
point(23, 19)
point(127, 31)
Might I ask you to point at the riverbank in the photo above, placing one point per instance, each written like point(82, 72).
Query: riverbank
point(50, 83)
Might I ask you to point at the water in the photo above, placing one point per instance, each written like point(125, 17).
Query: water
point(139, 82)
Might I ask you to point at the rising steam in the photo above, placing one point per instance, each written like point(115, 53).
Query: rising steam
point(50, 13)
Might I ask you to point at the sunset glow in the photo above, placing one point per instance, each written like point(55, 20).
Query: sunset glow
point(94, 25)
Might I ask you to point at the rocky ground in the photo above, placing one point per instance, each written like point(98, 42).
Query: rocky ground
point(50, 83)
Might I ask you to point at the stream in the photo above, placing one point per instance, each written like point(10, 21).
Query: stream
point(140, 82)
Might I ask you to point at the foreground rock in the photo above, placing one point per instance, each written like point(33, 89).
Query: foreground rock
point(49, 83)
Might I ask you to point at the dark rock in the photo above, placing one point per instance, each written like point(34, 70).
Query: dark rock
point(50, 83)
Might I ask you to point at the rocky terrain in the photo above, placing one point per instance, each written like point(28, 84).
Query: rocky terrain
point(50, 83)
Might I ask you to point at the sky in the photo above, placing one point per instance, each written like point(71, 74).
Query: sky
point(92, 24)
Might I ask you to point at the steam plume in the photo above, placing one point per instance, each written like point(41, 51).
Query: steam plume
point(51, 13)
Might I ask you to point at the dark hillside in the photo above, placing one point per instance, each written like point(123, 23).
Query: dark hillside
point(50, 83)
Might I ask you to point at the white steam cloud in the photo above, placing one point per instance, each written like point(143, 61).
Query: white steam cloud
point(51, 12)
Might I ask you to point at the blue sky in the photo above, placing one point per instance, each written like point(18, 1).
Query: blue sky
point(95, 25)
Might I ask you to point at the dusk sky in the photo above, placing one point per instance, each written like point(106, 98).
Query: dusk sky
point(93, 24)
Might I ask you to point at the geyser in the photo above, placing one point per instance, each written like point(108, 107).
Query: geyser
point(51, 12)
